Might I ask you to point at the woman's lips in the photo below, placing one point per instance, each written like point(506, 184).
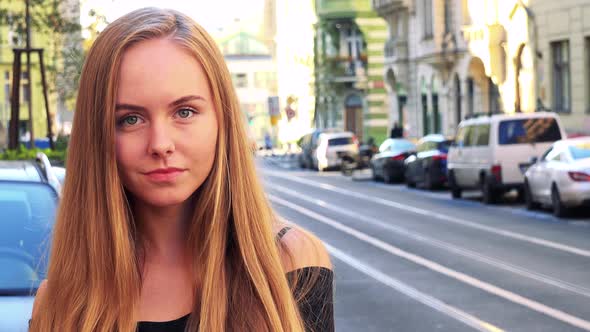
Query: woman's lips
point(165, 174)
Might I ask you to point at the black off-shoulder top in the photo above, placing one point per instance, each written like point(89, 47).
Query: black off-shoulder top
point(316, 306)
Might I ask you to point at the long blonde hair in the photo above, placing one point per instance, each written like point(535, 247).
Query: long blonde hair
point(94, 278)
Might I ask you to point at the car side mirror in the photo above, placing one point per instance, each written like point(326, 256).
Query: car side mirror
point(533, 160)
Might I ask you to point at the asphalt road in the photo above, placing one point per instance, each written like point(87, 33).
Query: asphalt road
point(410, 260)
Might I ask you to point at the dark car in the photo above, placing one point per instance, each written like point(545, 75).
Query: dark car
point(29, 193)
point(388, 164)
point(428, 166)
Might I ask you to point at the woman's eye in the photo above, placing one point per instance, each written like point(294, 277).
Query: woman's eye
point(185, 113)
point(129, 120)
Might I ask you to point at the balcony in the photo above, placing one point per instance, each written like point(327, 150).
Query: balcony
point(342, 8)
point(345, 69)
point(396, 50)
point(388, 6)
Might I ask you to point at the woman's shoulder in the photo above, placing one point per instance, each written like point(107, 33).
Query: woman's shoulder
point(300, 249)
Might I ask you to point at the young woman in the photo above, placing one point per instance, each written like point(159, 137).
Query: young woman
point(163, 225)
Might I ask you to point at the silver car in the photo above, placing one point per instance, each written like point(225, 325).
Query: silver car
point(561, 177)
point(28, 203)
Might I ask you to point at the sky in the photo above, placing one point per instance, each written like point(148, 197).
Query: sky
point(211, 14)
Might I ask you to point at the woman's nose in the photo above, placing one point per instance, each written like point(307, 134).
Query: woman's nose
point(161, 143)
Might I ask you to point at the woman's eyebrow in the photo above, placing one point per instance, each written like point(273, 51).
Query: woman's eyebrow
point(177, 102)
point(129, 107)
point(185, 99)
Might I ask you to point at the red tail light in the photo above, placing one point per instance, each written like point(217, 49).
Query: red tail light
point(355, 140)
point(399, 157)
point(579, 176)
point(439, 157)
point(497, 172)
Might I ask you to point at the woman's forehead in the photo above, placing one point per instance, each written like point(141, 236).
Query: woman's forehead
point(159, 68)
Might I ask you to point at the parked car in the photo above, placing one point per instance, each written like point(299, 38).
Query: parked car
point(489, 150)
point(561, 177)
point(28, 202)
point(308, 144)
point(428, 166)
point(388, 164)
point(332, 147)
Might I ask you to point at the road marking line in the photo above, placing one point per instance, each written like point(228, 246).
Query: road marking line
point(458, 221)
point(413, 293)
point(462, 277)
point(440, 244)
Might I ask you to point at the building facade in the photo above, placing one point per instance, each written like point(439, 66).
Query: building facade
point(562, 42)
point(349, 87)
point(447, 59)
point(31, 88)
point(423, 52)
point(253, 71)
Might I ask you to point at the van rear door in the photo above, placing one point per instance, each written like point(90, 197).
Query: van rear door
point(519, 140)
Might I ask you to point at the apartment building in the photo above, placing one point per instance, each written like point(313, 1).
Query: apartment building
point(350, 91)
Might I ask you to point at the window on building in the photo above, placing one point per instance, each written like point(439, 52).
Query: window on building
point(495, 104)
point(561, 76)
point(240, 80)
point(448, 16)
point(588, 75)
point(470, 96)
point(354, 42)
point(26, 92)
point(427, 18)
point(7, 93)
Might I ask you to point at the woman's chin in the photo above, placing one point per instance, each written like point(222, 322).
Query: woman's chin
point(164, 200)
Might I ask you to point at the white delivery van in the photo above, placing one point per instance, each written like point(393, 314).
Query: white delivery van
point(492, 152)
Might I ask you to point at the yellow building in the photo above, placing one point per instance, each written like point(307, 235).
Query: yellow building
point(563, 61)
point(31, 90)
point(500, 68)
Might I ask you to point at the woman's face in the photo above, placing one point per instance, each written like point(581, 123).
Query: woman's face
point(166, 130)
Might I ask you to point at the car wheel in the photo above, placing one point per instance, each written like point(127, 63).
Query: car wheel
point(559, 210)
point(455, 189)
point(427, 180)
point(409, 182)
point(488, 193)
point(301, 163)
point(387, 177)
point(374, 173)
point(528, 197)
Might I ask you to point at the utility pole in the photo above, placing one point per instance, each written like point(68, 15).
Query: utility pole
point(15, 99)
point(29, 76)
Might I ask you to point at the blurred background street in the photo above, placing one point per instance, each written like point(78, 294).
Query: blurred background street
point(410, 260)
point(439, 148)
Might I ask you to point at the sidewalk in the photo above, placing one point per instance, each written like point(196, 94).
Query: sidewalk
point(280, 158)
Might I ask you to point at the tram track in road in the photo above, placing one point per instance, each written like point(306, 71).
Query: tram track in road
point(566, 248)
point(428, 240)
point(464, 278)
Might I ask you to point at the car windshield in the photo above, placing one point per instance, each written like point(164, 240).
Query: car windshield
point(580, 150)
point(444, 146)
point(401, 144)
point(28, 212)
point(523, 131)
point(340, 141)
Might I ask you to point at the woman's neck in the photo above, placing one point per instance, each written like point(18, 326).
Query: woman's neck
point(163, 231)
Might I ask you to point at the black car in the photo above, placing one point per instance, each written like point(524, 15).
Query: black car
point(388, 164)
point(428, 166)
point(29, 194)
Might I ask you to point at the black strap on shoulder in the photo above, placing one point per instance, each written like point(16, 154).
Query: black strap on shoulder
point(282, 232)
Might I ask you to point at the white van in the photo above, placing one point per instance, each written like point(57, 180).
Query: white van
point(492, 152)
point(331, 147)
